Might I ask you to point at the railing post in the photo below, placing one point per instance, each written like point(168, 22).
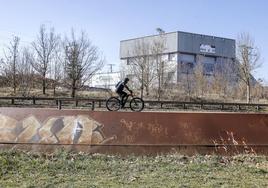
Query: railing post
point(12, 101)
point(93, 105)
point(59, 104)
point(76, 103)
point(33, 100)
point(99, 104)
point(258, 107)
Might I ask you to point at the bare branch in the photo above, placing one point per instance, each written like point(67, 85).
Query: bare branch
point(248, 56)
point(45, 47)
point(82, 61)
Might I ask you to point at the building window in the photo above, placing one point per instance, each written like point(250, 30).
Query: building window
point(187, 57)
point(208, 68)
point(187, 67)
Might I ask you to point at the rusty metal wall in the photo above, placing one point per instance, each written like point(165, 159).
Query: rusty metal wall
point(130, 132)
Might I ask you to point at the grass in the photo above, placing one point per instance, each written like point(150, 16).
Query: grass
point(62, 169)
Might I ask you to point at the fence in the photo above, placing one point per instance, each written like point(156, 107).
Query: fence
point(98, 103)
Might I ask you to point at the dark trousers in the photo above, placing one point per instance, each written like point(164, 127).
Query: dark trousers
point(122, 95)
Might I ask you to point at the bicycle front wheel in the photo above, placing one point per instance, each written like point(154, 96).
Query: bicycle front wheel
point(136, 104)
point(113, 104)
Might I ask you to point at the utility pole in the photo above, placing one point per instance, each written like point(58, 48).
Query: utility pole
point(111, 67)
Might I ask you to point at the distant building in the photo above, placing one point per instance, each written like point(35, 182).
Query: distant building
point(185, 50)
point(106, 80)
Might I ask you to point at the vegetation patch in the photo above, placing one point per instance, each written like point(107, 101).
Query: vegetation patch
point(62, 169)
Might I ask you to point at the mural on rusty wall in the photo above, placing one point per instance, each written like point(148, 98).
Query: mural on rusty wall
point(130, 132)
point(79, 129)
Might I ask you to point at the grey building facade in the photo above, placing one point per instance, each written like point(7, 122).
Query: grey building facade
point(186, 49)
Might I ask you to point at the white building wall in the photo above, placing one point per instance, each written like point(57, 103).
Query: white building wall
point(127, 47)
point(105, 80)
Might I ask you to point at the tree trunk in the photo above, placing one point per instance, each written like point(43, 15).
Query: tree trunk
point(159, 88)
point(73, 89)
point(248, 93)
point(142, 83)
point(14, 77)
point(44, 83)
point(188, 84)
point(73, 92)
point(14, 84)
point(141, 90)
point(54, 89)
point(162, 73)
point(147, 90)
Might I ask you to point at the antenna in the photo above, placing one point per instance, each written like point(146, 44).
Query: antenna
point(160, 31)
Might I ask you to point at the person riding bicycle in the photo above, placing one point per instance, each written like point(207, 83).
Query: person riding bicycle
point(120, 86)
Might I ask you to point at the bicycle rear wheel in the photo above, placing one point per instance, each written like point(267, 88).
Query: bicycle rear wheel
point(136, 104)
point(113, 104)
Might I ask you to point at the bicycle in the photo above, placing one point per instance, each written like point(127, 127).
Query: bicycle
point(114, 103)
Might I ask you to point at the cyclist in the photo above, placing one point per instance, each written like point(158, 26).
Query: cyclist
point(120, 86)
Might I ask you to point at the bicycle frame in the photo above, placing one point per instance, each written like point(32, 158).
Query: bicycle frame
point(125, 101)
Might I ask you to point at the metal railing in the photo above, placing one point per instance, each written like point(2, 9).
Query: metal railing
point(206, 105)
point(58, 102)
point(94, 103)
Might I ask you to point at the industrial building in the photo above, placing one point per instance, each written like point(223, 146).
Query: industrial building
point(185, 50)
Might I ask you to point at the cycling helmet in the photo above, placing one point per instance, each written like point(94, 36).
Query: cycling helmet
point(126, 80)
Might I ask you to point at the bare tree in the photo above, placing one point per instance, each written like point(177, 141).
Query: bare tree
point(224, 78)
point(158, 48)
point(45, 47)
point(248, 57)
point(200, 78)
point(187, 79)
point(258, 90)
point(82, 61)
point(26, 72)
point(11, 62)
point(56, 72)
point(142, 67)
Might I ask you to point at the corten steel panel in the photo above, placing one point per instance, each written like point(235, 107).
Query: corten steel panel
point(130, 132)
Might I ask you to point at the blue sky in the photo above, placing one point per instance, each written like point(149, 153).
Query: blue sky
point(109, 21)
